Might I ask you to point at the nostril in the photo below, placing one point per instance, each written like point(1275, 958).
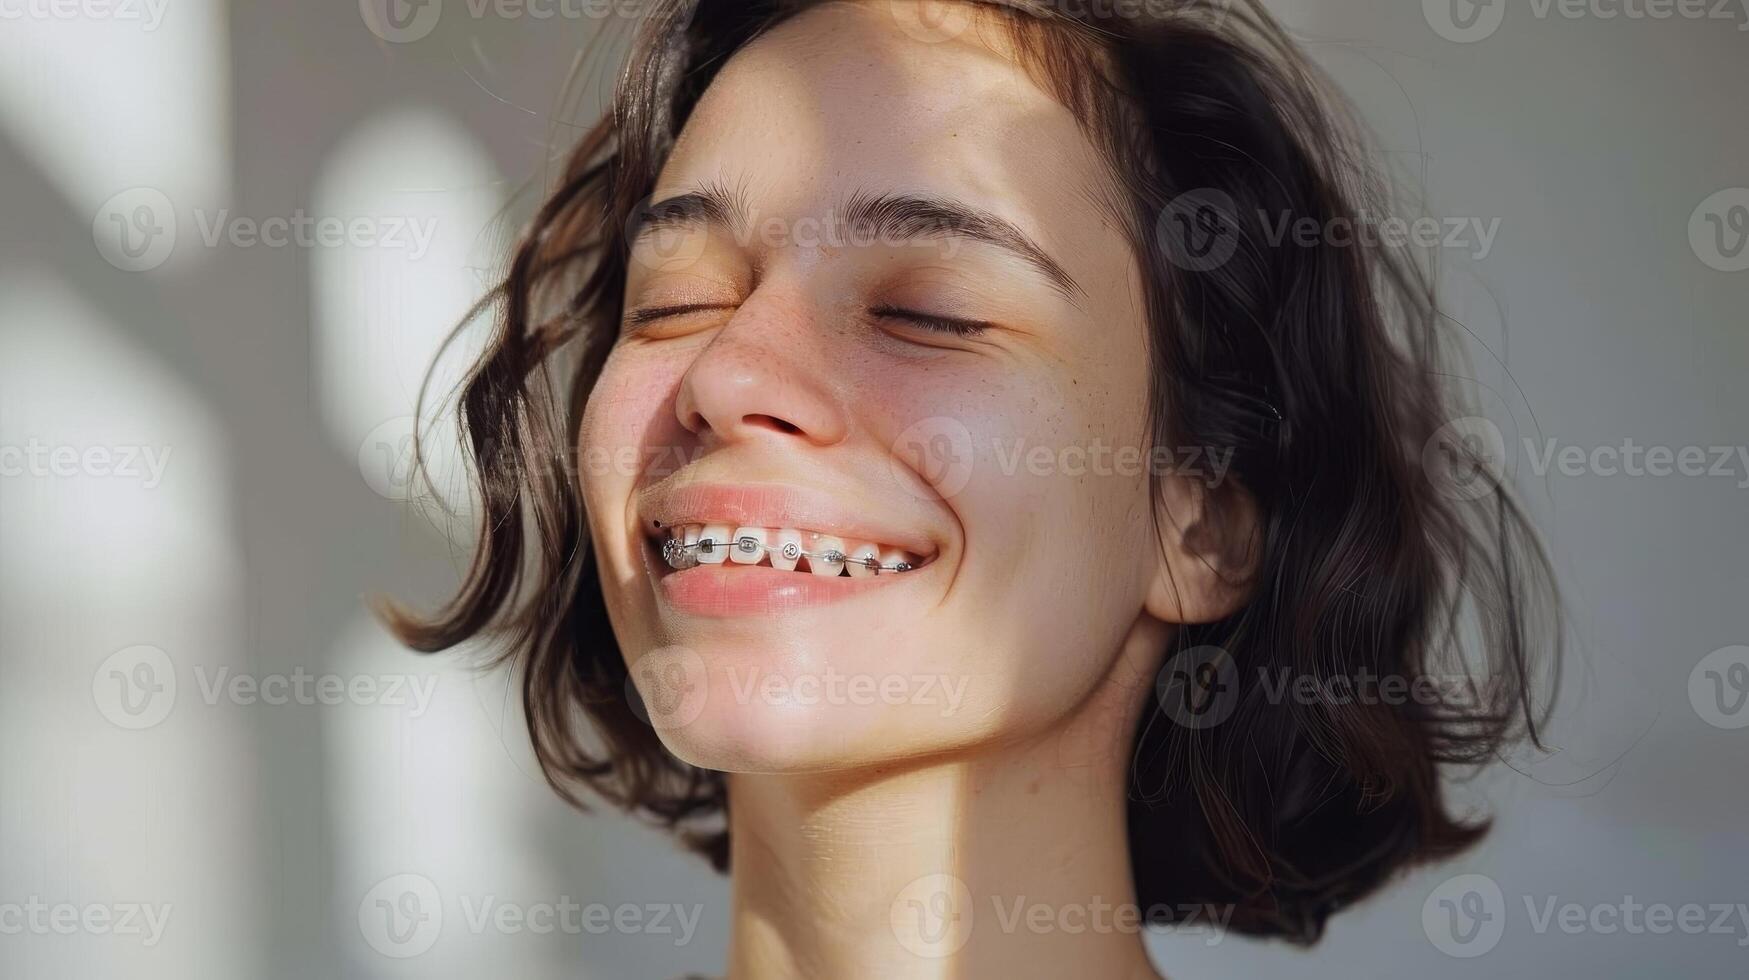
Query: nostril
point(774, 422)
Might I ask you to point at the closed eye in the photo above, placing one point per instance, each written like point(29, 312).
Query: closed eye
point(639, 318)
point(929, 321)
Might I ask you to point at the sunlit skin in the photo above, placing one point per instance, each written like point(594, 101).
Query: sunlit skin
point(1003, 678)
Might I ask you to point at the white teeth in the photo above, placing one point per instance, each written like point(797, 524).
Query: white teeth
point(784, 558)
point(859, 556)
point(718, 535)
point(891, 557)
point(784, 549)
point(741, 552)
point(825, 544)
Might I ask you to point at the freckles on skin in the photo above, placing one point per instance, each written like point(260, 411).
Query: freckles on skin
point(628, 428)
point(795, 100)
point(627, 407)
point(1045, 577)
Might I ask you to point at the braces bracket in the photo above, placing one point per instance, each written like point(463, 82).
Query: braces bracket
point(680, 555)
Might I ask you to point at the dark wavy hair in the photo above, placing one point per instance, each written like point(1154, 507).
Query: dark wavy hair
point(1319, 365)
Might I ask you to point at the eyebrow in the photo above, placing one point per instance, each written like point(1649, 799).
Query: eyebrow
point(886, 217)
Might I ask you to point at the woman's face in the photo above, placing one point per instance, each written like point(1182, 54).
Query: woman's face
point(778, 380)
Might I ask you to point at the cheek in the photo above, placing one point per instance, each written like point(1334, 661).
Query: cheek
point(628, 428)
point(1043, 470)
point(1056, 530)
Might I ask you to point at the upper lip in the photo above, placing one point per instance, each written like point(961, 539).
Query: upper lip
point(773, 505)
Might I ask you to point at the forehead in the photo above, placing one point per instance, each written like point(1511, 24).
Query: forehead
point(850, 97)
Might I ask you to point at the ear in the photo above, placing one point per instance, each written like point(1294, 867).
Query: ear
point(1210, 541)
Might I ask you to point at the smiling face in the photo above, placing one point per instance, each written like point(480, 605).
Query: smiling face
point(885, 318)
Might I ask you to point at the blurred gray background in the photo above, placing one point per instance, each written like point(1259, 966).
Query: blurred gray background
point(213, 762)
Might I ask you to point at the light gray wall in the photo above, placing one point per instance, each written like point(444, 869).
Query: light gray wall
point(278, 381)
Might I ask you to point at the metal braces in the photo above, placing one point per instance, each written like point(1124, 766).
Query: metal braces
point(680, 555)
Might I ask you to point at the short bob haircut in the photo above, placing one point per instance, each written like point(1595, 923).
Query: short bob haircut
point(1319, 366)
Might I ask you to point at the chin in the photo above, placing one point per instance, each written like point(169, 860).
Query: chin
point(720, 708)
point(760, 738)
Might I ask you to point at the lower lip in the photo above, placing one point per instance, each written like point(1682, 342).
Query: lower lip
point(728, 589)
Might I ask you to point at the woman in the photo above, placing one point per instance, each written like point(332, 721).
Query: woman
point(975, 527)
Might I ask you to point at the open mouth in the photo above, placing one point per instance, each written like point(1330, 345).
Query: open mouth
point(816, 553)
point(752, 550)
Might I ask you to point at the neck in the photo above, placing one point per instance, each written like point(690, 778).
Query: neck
point(1006, 861)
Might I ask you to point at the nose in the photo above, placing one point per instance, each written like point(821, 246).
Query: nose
point(761, 376)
